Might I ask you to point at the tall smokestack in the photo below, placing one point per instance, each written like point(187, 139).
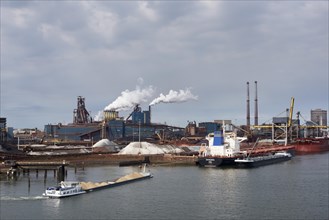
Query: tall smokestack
point(248, 107)
point(150, 113)
point(256, 104)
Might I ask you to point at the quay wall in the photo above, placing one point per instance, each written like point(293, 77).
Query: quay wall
point(114, 159)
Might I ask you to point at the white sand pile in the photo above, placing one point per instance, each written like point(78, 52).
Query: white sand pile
point(145, 148)
point(105, 145)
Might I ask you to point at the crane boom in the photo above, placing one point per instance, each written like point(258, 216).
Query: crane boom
point(291, 111)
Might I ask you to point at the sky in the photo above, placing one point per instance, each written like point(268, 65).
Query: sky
point(54, 51)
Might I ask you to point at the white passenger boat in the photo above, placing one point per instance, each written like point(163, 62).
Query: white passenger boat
point(65, 189)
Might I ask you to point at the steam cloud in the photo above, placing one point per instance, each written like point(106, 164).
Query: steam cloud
point(127, 100)
point(174, 96)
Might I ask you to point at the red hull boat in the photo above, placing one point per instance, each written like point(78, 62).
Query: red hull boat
point(311, 145)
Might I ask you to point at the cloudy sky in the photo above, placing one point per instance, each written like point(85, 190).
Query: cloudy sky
point(54, 51)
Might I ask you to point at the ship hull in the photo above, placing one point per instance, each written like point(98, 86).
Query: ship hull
point(259, 163)
point(215, 161)
point(311, 145)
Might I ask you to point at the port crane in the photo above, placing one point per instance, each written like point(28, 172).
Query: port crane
point(289, 128)
point(284, 125)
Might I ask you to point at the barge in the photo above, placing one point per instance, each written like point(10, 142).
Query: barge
point(70, 188)
point(250, 162)
point(133, 177)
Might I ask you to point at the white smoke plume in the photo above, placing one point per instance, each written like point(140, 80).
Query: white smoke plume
point(174, 96)
point(128, 99)
point(99, 116)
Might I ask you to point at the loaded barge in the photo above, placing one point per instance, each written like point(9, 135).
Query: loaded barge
point(133, 177)
point(69, 188)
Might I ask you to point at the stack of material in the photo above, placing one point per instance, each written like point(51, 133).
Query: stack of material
point(105, 146)
point(145, 148)
point(94, 185)
point(91, 185)
point(129, 177)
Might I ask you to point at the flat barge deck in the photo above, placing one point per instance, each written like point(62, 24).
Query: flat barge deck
point(133, 177)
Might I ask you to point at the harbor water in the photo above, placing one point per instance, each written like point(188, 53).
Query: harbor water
point(295, 189)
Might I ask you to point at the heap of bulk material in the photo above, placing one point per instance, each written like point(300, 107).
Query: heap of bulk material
point(105, 146)
point(145, 148)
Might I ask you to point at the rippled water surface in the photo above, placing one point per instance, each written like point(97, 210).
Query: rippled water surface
point(296, 189)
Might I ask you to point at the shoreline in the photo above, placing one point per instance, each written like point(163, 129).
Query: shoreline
point(90, 159)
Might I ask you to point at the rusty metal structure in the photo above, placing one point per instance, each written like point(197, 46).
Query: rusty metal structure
point(81, 115)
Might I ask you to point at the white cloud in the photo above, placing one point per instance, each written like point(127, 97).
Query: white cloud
point(103, 23)
point(55, 51)
point(146, 11)
point(20, 16)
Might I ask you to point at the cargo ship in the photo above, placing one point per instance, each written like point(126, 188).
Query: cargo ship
point(222, 149)
point(311, 145)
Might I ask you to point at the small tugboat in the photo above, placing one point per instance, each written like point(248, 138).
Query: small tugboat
point(250, 162)
point(65, 189)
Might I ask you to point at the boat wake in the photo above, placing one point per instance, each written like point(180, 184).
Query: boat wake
point(21, 198)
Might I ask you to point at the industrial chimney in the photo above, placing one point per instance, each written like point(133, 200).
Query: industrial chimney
point(248, 107)
point(150, 114)
point(256, 105)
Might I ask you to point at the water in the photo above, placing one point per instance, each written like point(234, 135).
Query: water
point(296, 189)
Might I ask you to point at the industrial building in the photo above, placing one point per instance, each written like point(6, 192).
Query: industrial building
point(319, 117)
point(137, 126)
point(3, 131)
point(6, 133)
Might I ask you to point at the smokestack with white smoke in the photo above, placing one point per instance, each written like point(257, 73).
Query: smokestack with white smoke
point(127, 100)
point(174, 96)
